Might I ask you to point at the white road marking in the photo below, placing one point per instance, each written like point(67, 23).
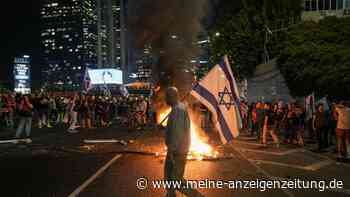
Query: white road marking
point(77, 191)
point(328, 158)
point(272, 153)
point(312, 167)
point(319, 165)
point(287, 192)
point(16, 141)
point(277, 164)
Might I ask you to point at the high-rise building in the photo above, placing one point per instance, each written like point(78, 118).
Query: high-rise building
point(69, 38)
point(21, 74)
point(143, 64)
point(111, 26)
point(108, 28)
point(318, 9)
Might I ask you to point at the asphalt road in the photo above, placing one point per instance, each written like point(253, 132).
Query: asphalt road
point(59, 164)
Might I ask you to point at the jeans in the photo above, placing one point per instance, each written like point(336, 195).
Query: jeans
point(73, 121)
point(42, 120)
point(24, 123)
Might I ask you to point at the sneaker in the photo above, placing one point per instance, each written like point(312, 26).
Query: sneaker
point(72, 131)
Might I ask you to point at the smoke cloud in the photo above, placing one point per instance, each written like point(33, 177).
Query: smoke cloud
point(170, 28)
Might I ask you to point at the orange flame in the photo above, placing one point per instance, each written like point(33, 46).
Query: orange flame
point(199, 148)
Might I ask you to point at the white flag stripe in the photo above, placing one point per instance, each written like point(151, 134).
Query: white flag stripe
point(215, 91)
point(231, 73)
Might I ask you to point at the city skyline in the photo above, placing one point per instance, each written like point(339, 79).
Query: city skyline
point(68, 37)
point(27, 38)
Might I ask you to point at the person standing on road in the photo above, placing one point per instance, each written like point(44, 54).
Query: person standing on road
point(291, 121)
point(343, 129)
point(320, 125)
point(43, 112)
point(260, 114)
point(73, 113)
point(178, 140)
point(270, 125)
point(252, 119)
point(25, 113)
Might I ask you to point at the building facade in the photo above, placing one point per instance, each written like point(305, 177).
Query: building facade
point(318, 9)
point(69, 37)
point(143, 64)
point(109, 33)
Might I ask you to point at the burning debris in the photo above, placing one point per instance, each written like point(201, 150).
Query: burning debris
point(199, 148)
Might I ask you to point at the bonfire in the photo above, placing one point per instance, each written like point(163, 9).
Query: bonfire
point(199, 148)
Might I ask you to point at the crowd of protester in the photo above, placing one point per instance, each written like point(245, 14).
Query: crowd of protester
point(293, 123)
point(86, 111)
point(287, 123)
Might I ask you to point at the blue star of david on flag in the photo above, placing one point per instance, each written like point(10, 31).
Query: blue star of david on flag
point(223, 98)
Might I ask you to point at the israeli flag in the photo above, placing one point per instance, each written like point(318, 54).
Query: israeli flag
point(218, 91)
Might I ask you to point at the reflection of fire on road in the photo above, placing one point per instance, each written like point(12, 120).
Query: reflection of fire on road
point(199, 148)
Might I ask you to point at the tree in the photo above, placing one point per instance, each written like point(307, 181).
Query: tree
point(316, 58)
point(240, 31)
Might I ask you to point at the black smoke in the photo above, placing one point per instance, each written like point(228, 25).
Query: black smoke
point(170, 28)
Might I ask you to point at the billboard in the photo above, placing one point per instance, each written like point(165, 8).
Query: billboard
point(21, 71)
point(105, 76)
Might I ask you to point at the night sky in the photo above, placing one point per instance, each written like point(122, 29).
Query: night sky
point(20, 34)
